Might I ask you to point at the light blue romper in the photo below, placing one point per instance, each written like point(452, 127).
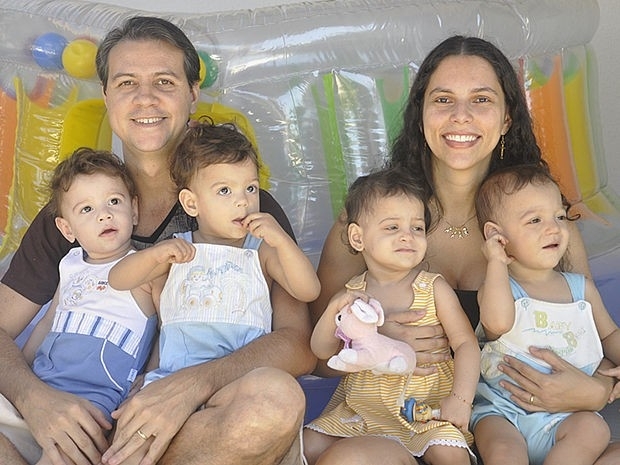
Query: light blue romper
point(567, 329)
point(100, 339)
point(212, 306)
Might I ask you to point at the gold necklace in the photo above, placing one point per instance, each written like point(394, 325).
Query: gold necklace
point(458, 232)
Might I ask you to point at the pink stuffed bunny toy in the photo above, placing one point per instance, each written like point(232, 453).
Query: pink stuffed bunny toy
point(365, 348)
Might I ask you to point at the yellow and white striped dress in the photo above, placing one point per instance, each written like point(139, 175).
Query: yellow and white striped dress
point(368, 404)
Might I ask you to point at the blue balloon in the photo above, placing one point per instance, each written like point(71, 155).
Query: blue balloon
point(47, 50)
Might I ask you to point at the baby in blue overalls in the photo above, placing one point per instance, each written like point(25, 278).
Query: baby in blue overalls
point(96, 339)
point(526, 302)
point(216, 281)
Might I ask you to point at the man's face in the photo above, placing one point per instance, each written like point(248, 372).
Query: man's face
point(148, 97)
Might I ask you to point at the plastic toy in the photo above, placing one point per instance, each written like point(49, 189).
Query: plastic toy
point(419, 411)
point(78, 58)
point(47, 50)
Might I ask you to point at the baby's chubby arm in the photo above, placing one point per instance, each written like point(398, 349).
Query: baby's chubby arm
point(456, 408)
point(324, 342)
point(284, 261)
point(146, 265)
point(494, 296)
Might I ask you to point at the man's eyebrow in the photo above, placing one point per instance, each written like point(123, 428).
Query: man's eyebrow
point(165, 72)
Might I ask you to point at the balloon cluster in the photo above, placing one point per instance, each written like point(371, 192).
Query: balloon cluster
point(52, 52)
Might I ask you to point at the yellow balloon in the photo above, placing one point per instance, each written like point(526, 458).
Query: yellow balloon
point(78, 58)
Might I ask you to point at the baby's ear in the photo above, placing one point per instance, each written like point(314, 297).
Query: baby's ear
point(188, 202)
point(491, 229)
point(65, 228)
point(354, 232)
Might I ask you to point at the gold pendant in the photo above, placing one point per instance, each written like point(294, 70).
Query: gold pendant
point(457, 232)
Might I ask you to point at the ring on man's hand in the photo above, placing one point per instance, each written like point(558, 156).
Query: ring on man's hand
point(531, 399)
point(142, 435)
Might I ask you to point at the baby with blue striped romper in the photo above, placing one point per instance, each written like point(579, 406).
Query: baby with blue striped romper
point(98, 339)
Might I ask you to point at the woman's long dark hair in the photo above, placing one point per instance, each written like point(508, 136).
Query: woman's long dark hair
point(410, 150)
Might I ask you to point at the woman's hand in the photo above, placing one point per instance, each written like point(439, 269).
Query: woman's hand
point(565, 389)
point(425, 340)
point(613, 373)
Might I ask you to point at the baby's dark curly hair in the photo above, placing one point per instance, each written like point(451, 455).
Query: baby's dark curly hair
point(205, 144)
point(86, 161)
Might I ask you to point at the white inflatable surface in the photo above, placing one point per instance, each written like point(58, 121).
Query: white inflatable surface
point(319, 86)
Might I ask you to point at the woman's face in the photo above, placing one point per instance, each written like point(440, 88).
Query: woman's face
point(464, 112)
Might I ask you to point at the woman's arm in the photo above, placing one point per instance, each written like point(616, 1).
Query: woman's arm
point(609, 334)
point(576, 252)
point(605, 325)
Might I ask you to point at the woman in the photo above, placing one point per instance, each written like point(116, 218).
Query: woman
point(466, 117)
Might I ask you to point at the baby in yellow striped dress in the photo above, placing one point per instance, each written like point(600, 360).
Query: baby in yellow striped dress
point(363, 423)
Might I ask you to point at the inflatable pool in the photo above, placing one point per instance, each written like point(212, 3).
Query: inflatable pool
point(319, 88)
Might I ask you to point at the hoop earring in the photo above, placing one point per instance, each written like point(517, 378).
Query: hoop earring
point(502, 146)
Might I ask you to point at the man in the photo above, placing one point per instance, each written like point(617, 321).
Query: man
point(227, 411)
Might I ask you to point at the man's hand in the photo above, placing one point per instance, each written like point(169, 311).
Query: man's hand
point(155, 414)
point(60, 421)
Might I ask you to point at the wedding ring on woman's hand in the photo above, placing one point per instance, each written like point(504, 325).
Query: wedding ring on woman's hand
point(142, 435)
point(531, 399)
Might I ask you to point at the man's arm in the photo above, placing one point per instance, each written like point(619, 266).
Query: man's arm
point(37, 335)
point(33, 272)
point(15, 313)
point(56, 419)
